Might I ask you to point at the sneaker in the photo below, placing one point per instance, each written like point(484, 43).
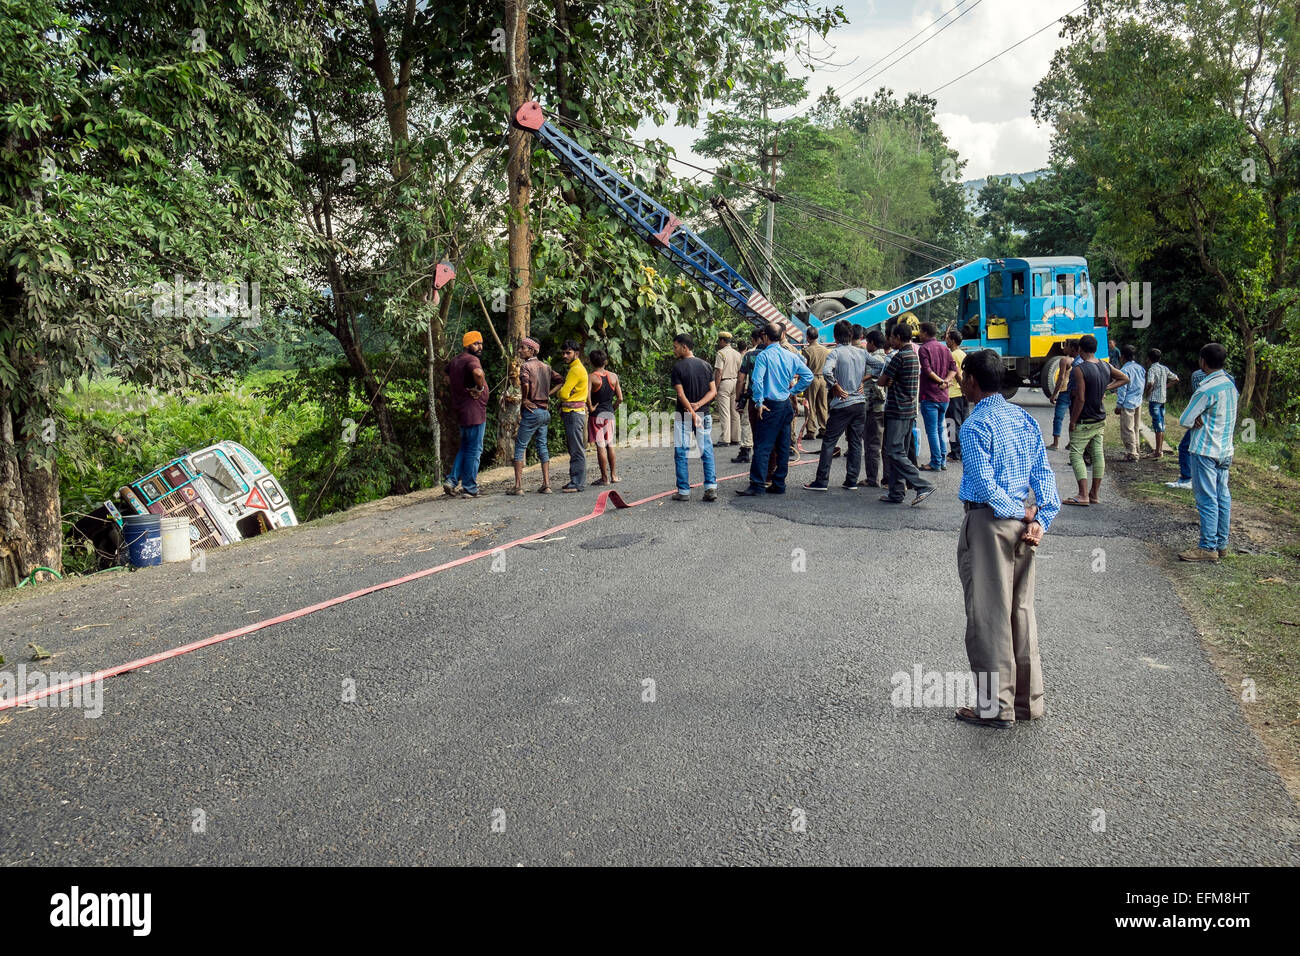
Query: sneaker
point(1199, 554)
point(710, 494)
point(1223, 553)
point(677, 496)
point(570, 489)
point(742, 458)
point(921, 496)
point(469, 494)
point(816, 486)
point(850, 486)
point(1180, 483)
point(891, 501)
point(449, 489)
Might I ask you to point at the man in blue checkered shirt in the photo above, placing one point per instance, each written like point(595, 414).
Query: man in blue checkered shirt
point(1003, 458)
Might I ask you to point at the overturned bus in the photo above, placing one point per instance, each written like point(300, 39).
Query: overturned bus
point(224, 490)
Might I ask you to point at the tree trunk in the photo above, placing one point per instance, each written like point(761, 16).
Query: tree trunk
point(519, 235)
point(40, 480)
point(13, 508)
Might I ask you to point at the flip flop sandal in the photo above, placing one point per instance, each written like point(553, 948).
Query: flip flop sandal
point(515, 491)
point(1076, 501)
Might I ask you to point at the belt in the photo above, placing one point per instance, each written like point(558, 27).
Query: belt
point(574, 406)
point(976, 505)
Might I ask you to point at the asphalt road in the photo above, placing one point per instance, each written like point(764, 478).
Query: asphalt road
point(503, 716)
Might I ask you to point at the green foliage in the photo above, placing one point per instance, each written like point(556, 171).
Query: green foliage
point(876, 159)
point(129, 157)
point(1182, 127)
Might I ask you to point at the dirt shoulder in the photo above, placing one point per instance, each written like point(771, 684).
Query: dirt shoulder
point(1247, 607)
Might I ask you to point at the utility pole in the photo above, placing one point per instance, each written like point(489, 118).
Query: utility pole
point(519, 236)
point(768, 165)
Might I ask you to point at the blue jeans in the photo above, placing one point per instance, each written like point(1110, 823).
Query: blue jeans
point(533, 422)
point(1213, 502)
point(1060, 415)
point(1185, 457)
point(465, 468)
point(932, 413)
point(683, 429)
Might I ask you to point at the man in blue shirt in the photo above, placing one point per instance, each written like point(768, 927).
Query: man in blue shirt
point(1128, 402)
point(770, 392)
point(1003, 458)
point(1210, 418)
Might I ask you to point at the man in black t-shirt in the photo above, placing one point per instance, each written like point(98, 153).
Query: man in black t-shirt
point(693, 381)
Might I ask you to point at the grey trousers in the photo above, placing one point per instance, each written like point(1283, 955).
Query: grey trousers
point(997, 577)
point(898, 466)
point(575, 434)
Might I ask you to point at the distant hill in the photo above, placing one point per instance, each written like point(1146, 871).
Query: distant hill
point(972, 187)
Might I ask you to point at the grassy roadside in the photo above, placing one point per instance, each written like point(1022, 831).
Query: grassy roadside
point(1246, 608)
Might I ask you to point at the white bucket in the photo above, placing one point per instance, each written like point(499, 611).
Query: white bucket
point(175, 539)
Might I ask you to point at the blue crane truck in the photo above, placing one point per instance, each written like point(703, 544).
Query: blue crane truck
point(1023, 309)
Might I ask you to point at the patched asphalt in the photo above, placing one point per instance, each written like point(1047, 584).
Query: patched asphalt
point(503, 710)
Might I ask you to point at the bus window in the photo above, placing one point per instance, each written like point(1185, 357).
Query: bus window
point(1017, 283)
point(995, 285)
point(1065, 283)
point(1040, 278)
point(226, 485)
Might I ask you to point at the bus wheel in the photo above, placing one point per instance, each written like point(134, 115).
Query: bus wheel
point(1047, 378)
point(1009, 391)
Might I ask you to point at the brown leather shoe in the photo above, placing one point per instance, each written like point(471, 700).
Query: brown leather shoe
point(1199, 554)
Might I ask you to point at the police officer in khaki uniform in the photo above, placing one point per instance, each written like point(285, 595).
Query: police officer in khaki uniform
point(726, 366)
point(818, 411)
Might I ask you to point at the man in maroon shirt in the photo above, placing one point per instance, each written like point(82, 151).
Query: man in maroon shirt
point(938, 371)
point(469, 398)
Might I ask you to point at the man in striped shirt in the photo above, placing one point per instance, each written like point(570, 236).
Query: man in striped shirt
point(1003, 457)
point(1211, 415)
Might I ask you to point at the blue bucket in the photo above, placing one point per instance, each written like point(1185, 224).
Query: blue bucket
point(143, 540)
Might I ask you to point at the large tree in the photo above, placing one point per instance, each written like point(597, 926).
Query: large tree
point(130, 166)
point(1184, 112)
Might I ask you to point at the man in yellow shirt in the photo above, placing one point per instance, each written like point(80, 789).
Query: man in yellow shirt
point(956, 400)
point(573, 412)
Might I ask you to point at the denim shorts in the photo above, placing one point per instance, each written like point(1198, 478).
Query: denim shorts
point(1157, 410)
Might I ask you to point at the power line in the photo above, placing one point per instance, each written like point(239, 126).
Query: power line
point(914, 49)
point(875, 63)
point(1007, 50)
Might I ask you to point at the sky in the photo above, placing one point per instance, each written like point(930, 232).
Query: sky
point(985, 116)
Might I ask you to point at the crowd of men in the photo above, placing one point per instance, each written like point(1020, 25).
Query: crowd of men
point(870, 388)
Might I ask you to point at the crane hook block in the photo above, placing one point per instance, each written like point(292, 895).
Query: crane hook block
point(530, 116)
point(443, 273)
